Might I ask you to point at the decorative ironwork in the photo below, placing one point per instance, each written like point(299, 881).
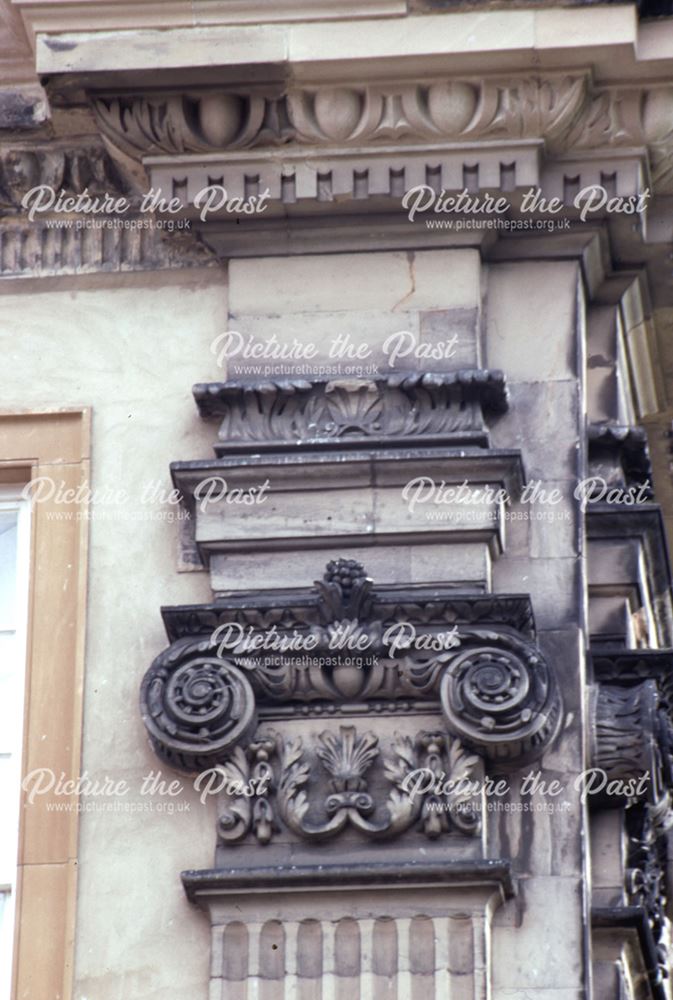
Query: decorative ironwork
point(647, 875)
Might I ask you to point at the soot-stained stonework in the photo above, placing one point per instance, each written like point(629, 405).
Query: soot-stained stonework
point(496, 690)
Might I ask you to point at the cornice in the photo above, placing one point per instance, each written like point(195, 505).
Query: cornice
point(74, 244)
point(46, 16)
point(206, 885)
point(98, 38)
point(557, 108)
point(434, 607)
point(327, 413)
point(40, 251)
point(363, 139)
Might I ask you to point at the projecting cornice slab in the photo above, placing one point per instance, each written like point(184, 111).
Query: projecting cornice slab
point(93, 37)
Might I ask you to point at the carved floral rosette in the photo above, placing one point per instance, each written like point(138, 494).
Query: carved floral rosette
point(502, 700)
point(196, 706)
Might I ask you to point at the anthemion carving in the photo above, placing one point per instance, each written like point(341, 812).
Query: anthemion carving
point(433, 785)
point(317, 811)
point(337, 411)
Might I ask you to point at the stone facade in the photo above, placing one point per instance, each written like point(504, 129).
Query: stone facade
point(390, 572)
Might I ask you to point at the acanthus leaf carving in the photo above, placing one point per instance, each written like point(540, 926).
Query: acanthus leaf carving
point(334, 411)
point(626, 745)
point(353, 114)
point(248, 770)
point(189, 123)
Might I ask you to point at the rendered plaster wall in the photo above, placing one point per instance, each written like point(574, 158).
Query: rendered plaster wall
point(131, 348)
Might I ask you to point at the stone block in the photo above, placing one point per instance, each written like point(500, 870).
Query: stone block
point(539, 412)
point(545, 950)
point(469, 565)
point(391, 281)
point(459, 325)
point(340, 343)
point(553, 584)
point(526, 337)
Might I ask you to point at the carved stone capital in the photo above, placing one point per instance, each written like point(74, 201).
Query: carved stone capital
point(498, 695)
point(631, 743)
point(502, 700)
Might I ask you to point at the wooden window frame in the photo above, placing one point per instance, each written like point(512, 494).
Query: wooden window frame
point(54, 443)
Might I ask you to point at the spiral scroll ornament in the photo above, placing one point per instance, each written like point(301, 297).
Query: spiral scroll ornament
point(502, 702)
point(196, 706)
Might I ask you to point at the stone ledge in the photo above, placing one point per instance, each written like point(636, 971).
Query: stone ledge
point(200, 885)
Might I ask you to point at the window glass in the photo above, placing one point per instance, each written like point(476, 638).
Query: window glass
point(8, 538)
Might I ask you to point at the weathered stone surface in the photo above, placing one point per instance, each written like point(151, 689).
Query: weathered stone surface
point(395, 282)
point(537, 410)
point(23, 108)
point(545, 949)
point(513, 297)
point(553, 581)
point(468, 565)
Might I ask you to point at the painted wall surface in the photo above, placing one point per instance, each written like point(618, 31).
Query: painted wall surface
point(131, 348)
